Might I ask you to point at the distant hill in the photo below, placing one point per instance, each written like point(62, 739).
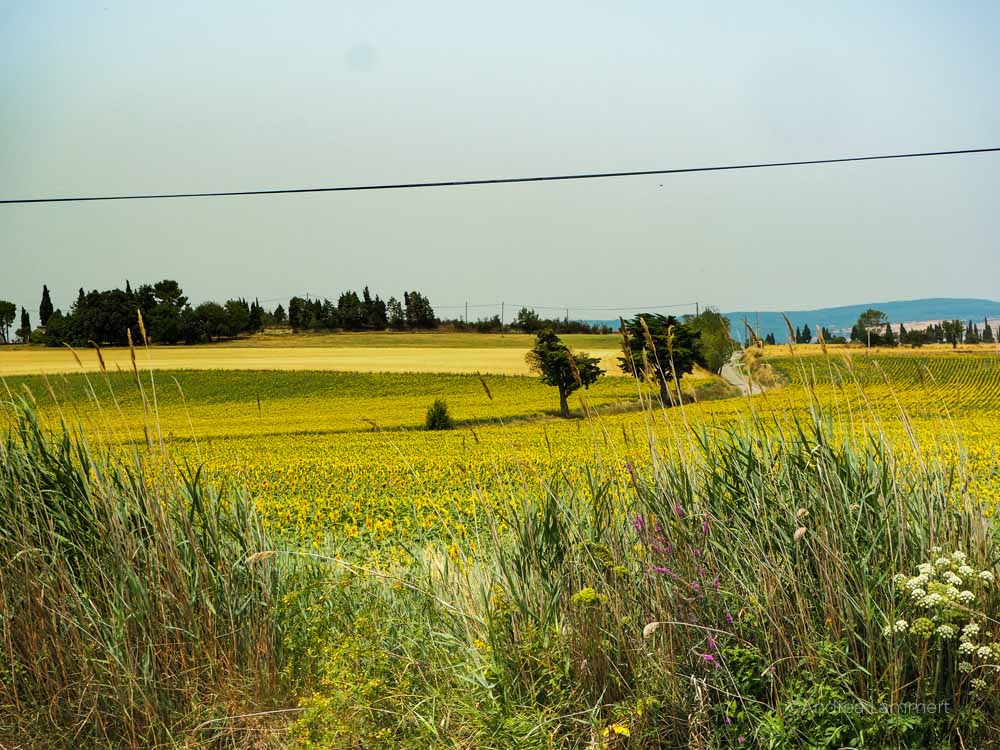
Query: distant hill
point(840, 319)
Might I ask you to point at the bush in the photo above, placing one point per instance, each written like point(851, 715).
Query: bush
point(438, 417)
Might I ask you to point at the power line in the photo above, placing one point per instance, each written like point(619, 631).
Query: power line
point(501, 180)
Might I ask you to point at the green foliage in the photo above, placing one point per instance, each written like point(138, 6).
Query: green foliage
point(438, 417)
point(660, 348)
point(8, 310)
point(558, 366)
point(715, 344)
point(45, 309)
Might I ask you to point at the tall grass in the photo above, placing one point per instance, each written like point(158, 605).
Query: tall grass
point(731, 590)
point(132, 608)
point(735, 595)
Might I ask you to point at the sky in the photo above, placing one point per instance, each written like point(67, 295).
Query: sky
point(121, 97)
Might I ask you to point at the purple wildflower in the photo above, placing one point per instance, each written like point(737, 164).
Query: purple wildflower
point(729, 619)
point(678, 511)
point(639, 523)
point(705, 528)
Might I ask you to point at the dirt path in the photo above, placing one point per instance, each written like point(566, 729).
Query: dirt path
point(733, 373)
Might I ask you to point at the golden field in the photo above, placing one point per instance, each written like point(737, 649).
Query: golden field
point(345, 453)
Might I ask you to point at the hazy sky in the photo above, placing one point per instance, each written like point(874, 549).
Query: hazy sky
point(120, 97)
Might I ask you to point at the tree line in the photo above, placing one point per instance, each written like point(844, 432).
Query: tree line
point(873, 328)
point(111, 317)
point(364, 313)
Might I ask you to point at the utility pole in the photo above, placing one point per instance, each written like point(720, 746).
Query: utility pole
point(466, 312)
point(697, 310)
point(501, 318)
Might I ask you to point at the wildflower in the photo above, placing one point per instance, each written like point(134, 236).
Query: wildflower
point(900, 626)
point(970, 630)
point(678, 511)
point(964, 666)
point(946, 631)
point(966, 596)
point(966, 570)
point(986, 576)
point(639, 523)
point(984, 652)
point(978, 684)
point(925, 569)
point(729, 619)
point(705, 528)
point(966, 647)
point(958, 556)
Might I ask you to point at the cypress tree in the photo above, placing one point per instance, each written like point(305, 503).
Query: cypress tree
point(45, 308)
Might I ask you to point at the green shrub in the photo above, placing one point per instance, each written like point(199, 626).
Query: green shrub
point(438, 417)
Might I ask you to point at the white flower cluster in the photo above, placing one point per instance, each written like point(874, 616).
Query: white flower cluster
point(942, 592)
point(945, 584)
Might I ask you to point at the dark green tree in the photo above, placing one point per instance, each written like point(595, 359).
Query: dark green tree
point(256, 317)
point(527, 320)
point(351, 311)
point(163, 324)
point(169, 292)
point(987, 332)
point(8, 311)
point(869, 325)
point(214, 320)
point(807, 335)
point(395, 314)
point(551, 359)
point(659, 348)
point(45, 307)
point(278, 317)
point(298, 313)
point(238, 314)
point(952, 332)
point(24, 330)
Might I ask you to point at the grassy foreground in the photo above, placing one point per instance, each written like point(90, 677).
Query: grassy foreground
point(749, 584)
